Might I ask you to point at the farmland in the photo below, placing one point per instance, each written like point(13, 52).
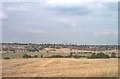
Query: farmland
point(60, 67)
point(76, 61)
point(49, 52)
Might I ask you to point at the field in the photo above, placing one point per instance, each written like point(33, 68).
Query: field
point(49, 51)
point(60, 67)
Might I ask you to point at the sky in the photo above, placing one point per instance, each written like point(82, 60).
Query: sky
point(60, 21)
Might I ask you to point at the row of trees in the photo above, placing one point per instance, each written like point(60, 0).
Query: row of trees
point(29, 56)
point(102, 55)
point(93, 55)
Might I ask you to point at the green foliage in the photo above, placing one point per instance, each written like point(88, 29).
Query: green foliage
point(6, 58)
point(41, 56)
point(76, 56)
point(26, 56)
point(71, 54)
point(13, 51)
point(67, 56)
point(56, 56)
point(35, 56)
point(93, 55)
point(113, 55)
point(99, 55)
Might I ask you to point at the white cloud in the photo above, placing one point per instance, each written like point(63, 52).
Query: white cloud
point(60, 1)
point(59, 21)
point(39, 31)
point(17, 8)
point(67, 20)
point(3, 15)
point(23, 0)
point(74, 2)
point(105, 33)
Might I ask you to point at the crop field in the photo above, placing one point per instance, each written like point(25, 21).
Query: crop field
point(60, 67)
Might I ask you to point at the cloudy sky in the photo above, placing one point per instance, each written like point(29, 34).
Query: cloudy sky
point(60, 21)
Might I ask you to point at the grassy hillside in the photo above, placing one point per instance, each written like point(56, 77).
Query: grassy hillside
point(62, 67)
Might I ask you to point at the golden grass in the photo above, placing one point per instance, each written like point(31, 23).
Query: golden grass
point(60, 67)
point(67, 50)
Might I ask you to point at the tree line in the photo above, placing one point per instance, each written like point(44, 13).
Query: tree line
point(93, 55)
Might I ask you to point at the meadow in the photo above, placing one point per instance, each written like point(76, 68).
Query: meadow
point(49, 52)
point(60, 67)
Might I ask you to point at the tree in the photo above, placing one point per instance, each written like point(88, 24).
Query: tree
point(35, 56)
point(75, 56)
point(56, 56)
point(41, 56)
point(26, 56)
point(107, 56)
point(113, 55)
point(99, 55)
point(71, 54)
point(102, 55)
point(93, 55)
point(70, 49)
point(13, 51)
point(6, 58)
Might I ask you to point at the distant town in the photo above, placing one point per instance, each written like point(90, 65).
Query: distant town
point(22, 50)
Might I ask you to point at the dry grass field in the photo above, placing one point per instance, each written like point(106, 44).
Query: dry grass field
point(60, 67)
point(67, 50)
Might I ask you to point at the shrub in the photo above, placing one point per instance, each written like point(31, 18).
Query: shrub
point(41, 56)
point(99, 55)
point(71, 53)
point(75, 56)
point(6, 58)
point(35, 56)
point(26, 56)
point(70, 49)
point(93, 55)
point(56, 56)
point(107, 56)
point(14, 51)
point(67, 56)
point(113, 55)
point(102, 55)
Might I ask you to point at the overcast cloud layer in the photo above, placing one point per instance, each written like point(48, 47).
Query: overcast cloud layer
point(52, 21)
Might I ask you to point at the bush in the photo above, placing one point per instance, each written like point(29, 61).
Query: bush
point(35, 56)
point(113, 55)
point(56, 56)
point(75, 56)
point(99, 55)
point(102, 55)
point(67, 56)
point(26, 56)
point(41, 56)
point(14, 51)
point(6, 58)
point(93, 55)
point(71, 53)
point(107, 56)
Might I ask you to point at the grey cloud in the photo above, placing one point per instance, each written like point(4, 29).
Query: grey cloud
point(74, 10)
point(45, 24)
